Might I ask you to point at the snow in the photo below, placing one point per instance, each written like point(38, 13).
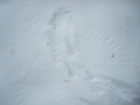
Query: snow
point(69, 52)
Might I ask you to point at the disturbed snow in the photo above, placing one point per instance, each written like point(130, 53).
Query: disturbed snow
point(82, 52)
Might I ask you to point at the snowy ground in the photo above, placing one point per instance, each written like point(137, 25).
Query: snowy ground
point(69, 52)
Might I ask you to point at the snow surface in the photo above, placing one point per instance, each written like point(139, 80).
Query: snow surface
point(69, 52)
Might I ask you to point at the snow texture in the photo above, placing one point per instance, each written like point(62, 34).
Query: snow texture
point(69, 52)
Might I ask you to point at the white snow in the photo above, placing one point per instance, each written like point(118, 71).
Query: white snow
point(69, 52)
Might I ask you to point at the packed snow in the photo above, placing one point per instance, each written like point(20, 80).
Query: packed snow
point(69, 52)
